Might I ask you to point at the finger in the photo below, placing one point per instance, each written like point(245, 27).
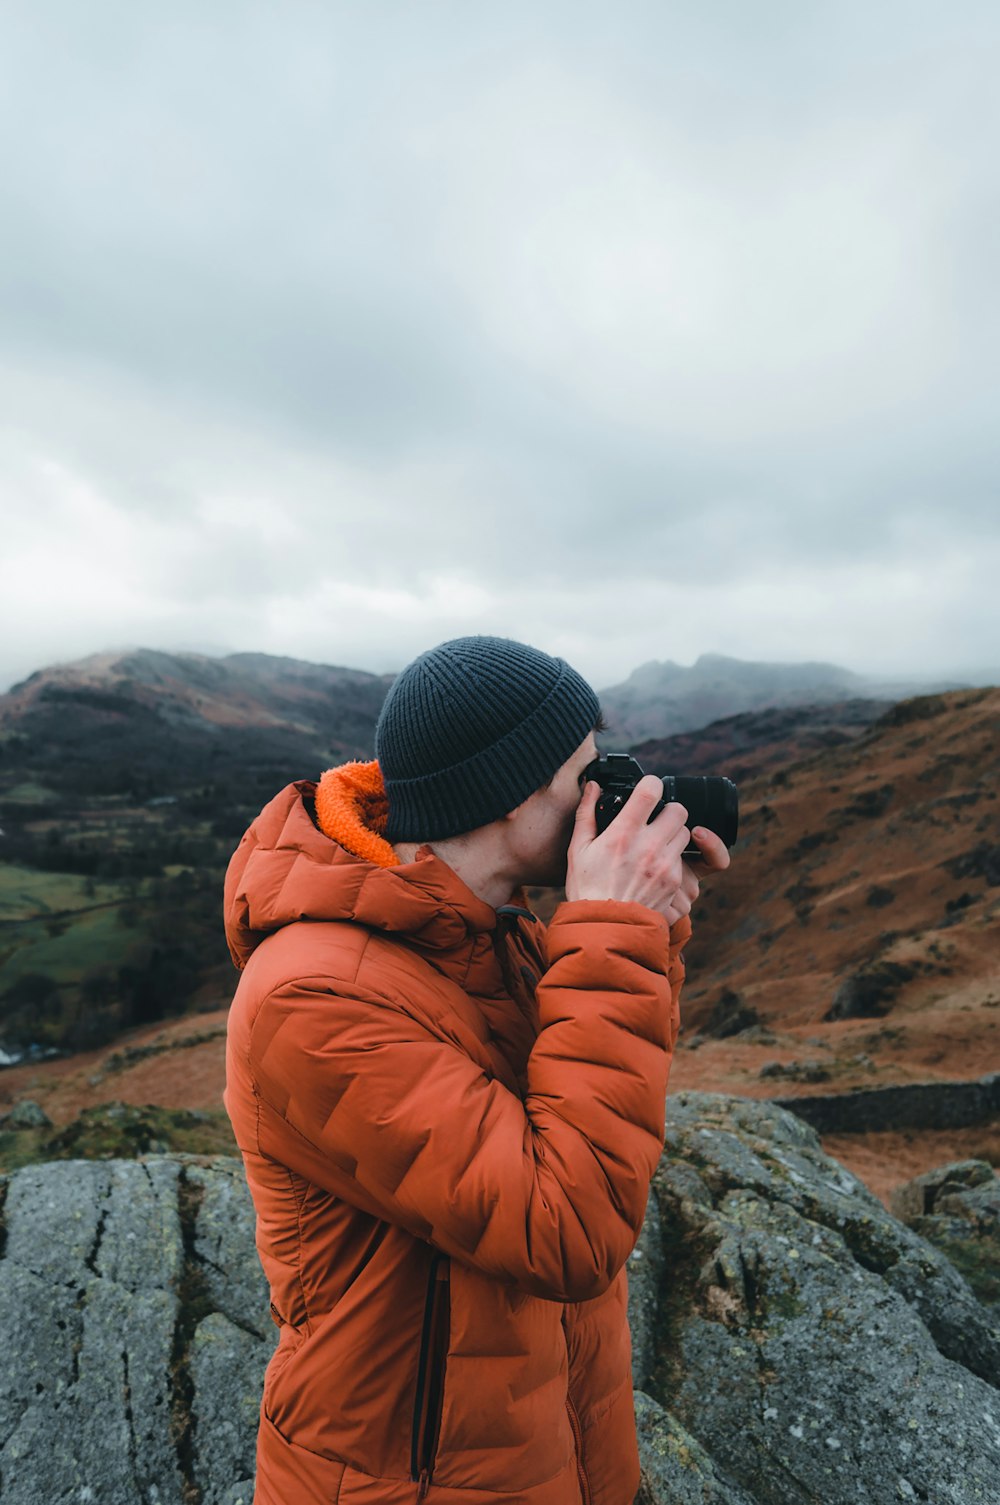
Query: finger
point(714, 852)
point(678, 907)
point(670, 846)
point(586, 819)
point(665, 863)
point(641, 803)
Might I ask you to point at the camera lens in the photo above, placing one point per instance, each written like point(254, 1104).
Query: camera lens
point(709, 801)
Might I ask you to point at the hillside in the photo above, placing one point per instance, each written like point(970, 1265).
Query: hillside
point(125, 783)
point(163, 713)
point(760, 742)
point(860, 912)
point(856, 939)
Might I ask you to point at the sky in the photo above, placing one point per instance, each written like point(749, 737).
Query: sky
point(634, 331)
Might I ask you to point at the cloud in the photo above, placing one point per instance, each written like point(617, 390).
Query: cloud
point(643, 331)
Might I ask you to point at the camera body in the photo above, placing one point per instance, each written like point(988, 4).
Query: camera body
point(710, 800)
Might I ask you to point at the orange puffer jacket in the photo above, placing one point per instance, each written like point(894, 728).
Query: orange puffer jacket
point(449, 1121)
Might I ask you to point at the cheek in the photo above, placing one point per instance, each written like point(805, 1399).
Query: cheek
point(567, 826)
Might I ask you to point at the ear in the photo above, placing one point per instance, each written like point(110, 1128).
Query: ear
point(518, 808)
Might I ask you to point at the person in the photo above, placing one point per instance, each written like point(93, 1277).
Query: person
point(450, 1116)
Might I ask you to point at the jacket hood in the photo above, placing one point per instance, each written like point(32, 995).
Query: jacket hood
point(287, 869)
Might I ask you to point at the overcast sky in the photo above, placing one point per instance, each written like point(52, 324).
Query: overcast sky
point(635, 330)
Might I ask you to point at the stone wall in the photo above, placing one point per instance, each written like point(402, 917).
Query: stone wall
point(919, 1105)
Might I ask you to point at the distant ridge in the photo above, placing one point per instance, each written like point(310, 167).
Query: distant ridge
point(663, 699)
point(328, 705)
point(311, 713)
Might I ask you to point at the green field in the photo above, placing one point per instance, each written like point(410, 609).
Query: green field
point(28, 793)
point(26, 893)
point(89, 940)
point(117, 826)
point(83, 957)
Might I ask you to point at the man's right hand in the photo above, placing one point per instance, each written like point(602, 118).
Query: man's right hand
point(631, 861)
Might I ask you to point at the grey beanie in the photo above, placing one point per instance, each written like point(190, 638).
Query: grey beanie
point(471, 728)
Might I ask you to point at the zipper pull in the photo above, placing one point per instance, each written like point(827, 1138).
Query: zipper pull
point(425, 1484)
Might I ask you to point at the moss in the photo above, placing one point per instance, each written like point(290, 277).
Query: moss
point(120, 1131)
point(978, 1263)
point(782, 1305)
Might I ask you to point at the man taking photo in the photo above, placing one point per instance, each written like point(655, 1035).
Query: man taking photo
point(450, 1116)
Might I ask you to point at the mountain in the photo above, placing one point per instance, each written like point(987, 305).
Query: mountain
point(165, 707)
point(663, 699)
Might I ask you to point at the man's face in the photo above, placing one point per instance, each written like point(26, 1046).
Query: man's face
point(542, 828)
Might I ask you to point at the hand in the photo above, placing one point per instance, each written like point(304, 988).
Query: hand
point(632, 861)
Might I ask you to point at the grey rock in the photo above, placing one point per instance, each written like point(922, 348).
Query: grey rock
point(796, 1071)
point(27, 1114)
point(923, 1194)
point(88, 1313)
point(753, 1146)
point(792, 1342)
point(105, 1313)
point(240, 1493)
point(226, 1366)
point(676, 1470)
point(815, 1348)
point(224, 1245)
point(645, 1277)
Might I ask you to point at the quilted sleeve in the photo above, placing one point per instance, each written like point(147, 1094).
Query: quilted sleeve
point(548, 1193)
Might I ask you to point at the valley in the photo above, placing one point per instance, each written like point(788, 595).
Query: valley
point(852, 945)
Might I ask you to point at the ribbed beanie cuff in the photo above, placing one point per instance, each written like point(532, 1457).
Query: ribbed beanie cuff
point(473, 727)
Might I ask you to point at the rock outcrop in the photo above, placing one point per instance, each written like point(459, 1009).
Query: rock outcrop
point(813, 1348)
point(957, 1208)
point(135, 1325)
point(793, 1342)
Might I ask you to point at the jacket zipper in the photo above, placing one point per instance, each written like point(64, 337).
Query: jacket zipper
point(577, 1430)
point(430, 1376)
point(574, 1422)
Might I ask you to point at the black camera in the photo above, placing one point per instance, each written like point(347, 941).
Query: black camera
point(709, 801)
